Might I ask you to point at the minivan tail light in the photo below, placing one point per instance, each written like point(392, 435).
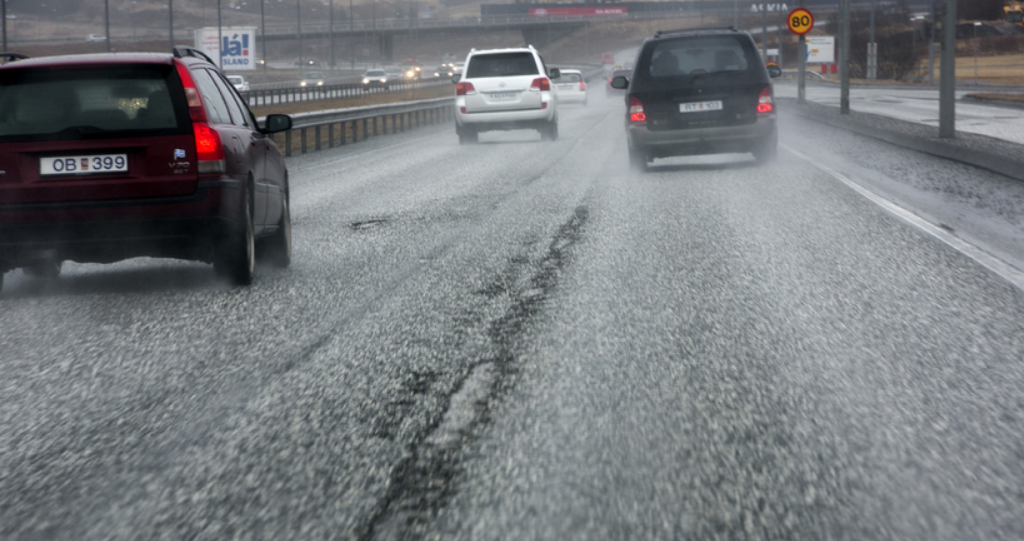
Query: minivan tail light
point(765, 103)
point(540, 84)
point(464, 88)
point(636, 110)
point(583, 86)
point(209, 151)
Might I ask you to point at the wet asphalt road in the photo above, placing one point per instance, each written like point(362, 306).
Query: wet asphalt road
point(524, 340)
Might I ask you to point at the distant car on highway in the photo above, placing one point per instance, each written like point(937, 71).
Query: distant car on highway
point(571, 88)
point(115, 156)
point(411, 69)
point(458, 67)
point(607, 58)
point(95, 37)
point(375, 78)
point(313, 78)
point(444, 71)
point(239, 83)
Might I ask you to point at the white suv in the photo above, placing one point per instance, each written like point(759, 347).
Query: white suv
point(505, 89)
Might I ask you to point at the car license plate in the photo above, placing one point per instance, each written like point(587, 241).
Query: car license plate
point(504, 96)
point(700, 106)
point(565, 87)
point(78, 165)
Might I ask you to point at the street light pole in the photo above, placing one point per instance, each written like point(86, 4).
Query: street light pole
point(106, 18)
point(976, 25)
point(263, 38)
point(220, 40)
point(330, 33)
point(947, 74)
point(170, 22)
point(298, 32)
point(844, 58)
point(3, 24)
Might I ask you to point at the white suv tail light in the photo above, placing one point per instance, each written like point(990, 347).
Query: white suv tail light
point(540, 84)
point(465, 88)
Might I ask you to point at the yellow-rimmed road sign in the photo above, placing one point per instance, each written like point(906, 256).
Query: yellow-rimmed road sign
point(800, 21)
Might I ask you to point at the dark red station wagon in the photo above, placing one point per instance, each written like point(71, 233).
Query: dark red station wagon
point(111, 156)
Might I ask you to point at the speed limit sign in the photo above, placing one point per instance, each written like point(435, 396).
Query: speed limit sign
point(800, 21)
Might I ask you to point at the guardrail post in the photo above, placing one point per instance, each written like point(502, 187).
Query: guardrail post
point(344, 132)
point(330, 136)
point(288, 143)
point(364, 129)
point(302, 145)
point(317, 133)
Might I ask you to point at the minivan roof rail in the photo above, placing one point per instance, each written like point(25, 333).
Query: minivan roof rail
point(660, 33)
point(181, 51)
point(6, 58)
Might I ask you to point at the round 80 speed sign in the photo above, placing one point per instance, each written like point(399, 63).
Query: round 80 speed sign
point(800, 21)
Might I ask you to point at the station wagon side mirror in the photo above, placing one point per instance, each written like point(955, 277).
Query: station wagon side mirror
point(774, 71)
point(555, 73)
point(456, 78)
point(277, 123)
point(620, 83)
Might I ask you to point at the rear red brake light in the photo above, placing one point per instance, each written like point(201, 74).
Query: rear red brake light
point(541, 84)
point(209, 151)
point(765, 103)
point(464, 88)
point(583, 86)
point(636, 110)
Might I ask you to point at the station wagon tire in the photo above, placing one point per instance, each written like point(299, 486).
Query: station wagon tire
point(48, 269)
point(236, 258)
point(468, 137)
point(278, 247)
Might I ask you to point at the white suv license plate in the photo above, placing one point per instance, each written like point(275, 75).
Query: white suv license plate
point(504, 96)
point(78, 165)
point(700, 106)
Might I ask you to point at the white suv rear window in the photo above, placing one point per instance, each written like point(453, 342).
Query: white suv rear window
point(501, 65)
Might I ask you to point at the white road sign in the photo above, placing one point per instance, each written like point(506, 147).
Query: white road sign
point(821, 49)
point(237, 42)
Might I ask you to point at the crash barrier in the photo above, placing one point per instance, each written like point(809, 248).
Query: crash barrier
point(341, 126)
point(263, 97)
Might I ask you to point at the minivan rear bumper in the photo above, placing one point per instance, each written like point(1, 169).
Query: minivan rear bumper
point(716, 140)
point(183, 227)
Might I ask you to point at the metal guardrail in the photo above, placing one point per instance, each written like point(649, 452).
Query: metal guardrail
point(262, 97)
point(357, 123)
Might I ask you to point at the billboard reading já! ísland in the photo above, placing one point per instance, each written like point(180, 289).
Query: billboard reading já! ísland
point(238, 44)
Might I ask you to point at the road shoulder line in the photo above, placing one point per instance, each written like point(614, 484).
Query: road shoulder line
point(1005, 270)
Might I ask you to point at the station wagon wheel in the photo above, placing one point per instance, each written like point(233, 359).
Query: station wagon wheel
point(278, 247)
point(236, 259)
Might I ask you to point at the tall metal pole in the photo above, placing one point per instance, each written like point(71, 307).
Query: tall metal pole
point(263, 38)
point(736, 13)
point(801, 66)
point(779, 28)
point(872, 51)
point(947, 75)
point(106, 19)
point(3, 24)
point(976, 25)
point(764, 32)
point(330, 33)
point(170, 22)
point(220, 40)
point(931, 44)
point(844, 58)
point(298, 32)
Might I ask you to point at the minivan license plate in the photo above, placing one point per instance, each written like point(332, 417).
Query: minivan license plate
point(78, 165)
point(700, 106)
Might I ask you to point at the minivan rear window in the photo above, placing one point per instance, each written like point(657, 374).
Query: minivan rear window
point(698, 55)
point(501, 65)
point(83, 103)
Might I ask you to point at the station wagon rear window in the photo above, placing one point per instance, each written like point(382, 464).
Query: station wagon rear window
point(501, 65)
point(62, 104)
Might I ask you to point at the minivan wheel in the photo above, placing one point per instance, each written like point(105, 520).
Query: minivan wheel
point(236, 259)
point(767, 152)
point(278, 247)
point(47, 269)
point(638, 160)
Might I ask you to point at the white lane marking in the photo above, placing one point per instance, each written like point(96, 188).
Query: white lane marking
point(1004, 269)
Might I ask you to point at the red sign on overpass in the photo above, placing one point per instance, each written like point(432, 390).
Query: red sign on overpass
point(578, 12)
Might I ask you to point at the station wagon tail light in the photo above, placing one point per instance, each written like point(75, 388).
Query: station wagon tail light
point(765, 103)
point(540, 84)
point(465, 89)
point(583, 86)
point(209, 151)
point(636, 110)
point(195, 104)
